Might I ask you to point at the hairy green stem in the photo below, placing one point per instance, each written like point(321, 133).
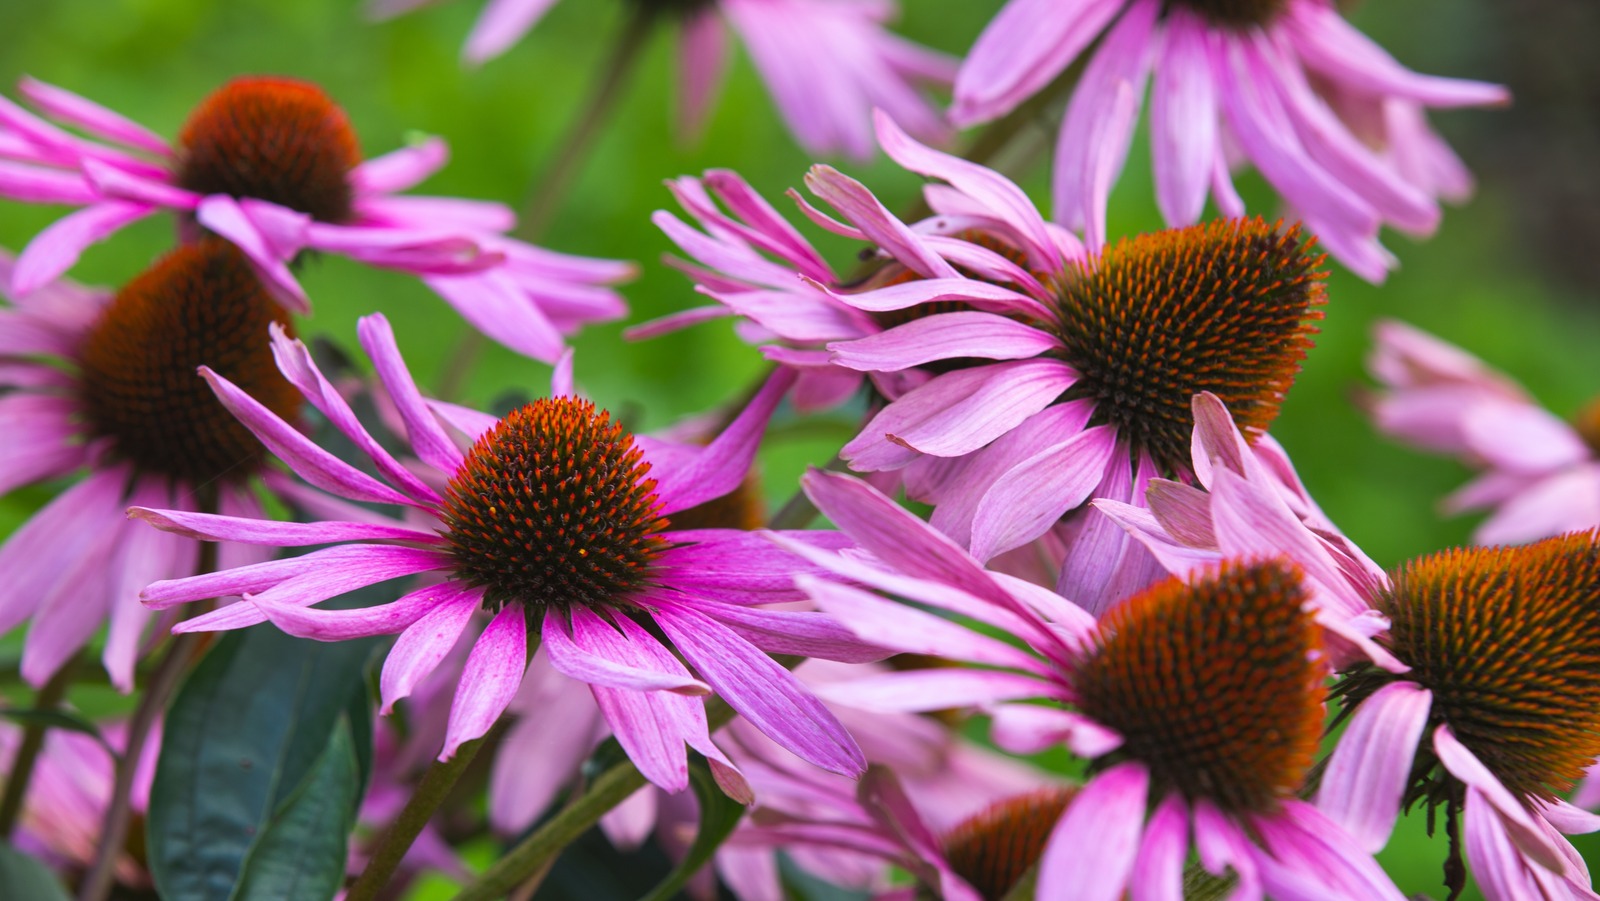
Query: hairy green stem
point(48, 698)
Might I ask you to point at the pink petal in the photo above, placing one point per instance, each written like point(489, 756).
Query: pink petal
point(702, 62)
point(225, 216)
point(763, 692)
point(1518, 822)
point(501, 24)
point(1033, 495)
point(801, 632)
point(259, 577)
point(519, 793)
point(53, 541)
point(310, 462)
point(400, 169)
point(427, 437)
point(958, 412)
point(1107, 815)
point(881, 227)
point(944, 336)
point(490, 680)
point(207, 526)
point(54, 250)
point(494, 304)
point(142, 556)
point(65, 106)
point(584, 647)
point(1158, 870)
point(1183, 121)
point(721, 466)
point(1025, 46)
point(1367, 774)
point(359, 622)
point(923, 690)
point(1034, 729)
point(421, 647)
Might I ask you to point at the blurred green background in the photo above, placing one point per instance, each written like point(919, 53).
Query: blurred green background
point(1508, 276)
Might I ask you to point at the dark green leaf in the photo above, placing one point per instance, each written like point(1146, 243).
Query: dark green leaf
point(719, 814)
point(244, 732)
point(58, 719)
point(23, 877)
point(302, 853)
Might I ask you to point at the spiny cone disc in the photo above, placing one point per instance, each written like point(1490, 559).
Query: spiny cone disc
point(1214, 686)
point(553, 508)
point(273, 139)
point(993, 849)
point(1224, 307)
point(201, 304)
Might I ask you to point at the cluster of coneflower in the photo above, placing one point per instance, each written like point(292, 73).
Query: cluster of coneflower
point(1112, 557)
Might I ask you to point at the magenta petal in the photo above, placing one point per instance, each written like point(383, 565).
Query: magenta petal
point(766, 694)
point(701, 63)
point(1107, 815)
point(305, 457)
point(54, 540)
point(584, 647)
point(721, 466)
point(421, 647)
point(802, 632)
point(427, 437)
point(496, 305)
point(207, 526)
point(488, 683)
point(65, 106)
point(400, 169)
point(863, 210)
point(360, 622)
point(1497, 865)
point(54, 250)
point(1368, 771)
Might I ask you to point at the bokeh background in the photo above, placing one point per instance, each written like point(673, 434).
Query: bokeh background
point(1510, 276)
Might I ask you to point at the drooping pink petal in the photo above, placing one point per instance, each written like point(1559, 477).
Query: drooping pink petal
point(1025, 46)
point(1518, 822)
point(702, 62)
point(579, 644)
point(804, 633)
point(54, 540)
point(958, 412)
point(228, 218)
point(208, 526)
point(519, 793)
point(863, 210)
point(261, 576)
point(143, 556)
point(494, 304)
point(1158, 870)
point(400, 169)
point(1315, 853)
point(763, 692)
point(1183, 121)
point(1107, 814)
point(420, 648)
point(1367, 773)
point(63, 105)
point(944, 336)
point(427, 437)
point(1034, 728)
point(488, 683)
point(924, 690)
point(1033, 495)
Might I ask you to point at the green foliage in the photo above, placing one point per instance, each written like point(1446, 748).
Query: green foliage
point(261, 769)
point(22, 876)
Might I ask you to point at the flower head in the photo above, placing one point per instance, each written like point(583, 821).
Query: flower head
point(551, 520)
point(1540, 475)
point(274, 166)
point(1198, 702)
point(1263, 79)
point(828, 63)
point(1497, 716)
point(106, 384)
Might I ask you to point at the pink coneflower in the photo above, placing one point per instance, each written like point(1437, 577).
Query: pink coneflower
point(552, 518)
point(1498, 715)
point(1199, 703)
point(1247, 500)
point(104, 385)
point(273, 165)
point(1251, 80)
point(1541, 475)
point(828, 63)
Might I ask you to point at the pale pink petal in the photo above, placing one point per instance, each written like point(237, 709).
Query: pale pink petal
point(65, 106)
point(501, 24)
point(958, 412)
point(1518, 822)
point(421, 647)
point(944, 336)
point(1183, 121)
point(261, 576)
point(924, 690)
point(721, 466)
point(519, 793)
point(1034, 729)
point(54, 250)
point(702, 62)
point(1369, 769)
point(1315, 853)
point(1329, 44)
point(1522, 438)
point(1565, 502)
point(208, 526)
point(1025, 46)
point(225, 216)
point(54, 540)
point(1158, 870)
point(400, 169)
point(1107, 815)
point(801, 632)
point(858, 205)
point(1033, 495)
point(494, 304)
point(488, 683)
point(143, 556)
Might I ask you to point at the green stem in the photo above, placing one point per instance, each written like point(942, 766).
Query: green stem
point(48, 698)
point(563, 170)
point(431, 792)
